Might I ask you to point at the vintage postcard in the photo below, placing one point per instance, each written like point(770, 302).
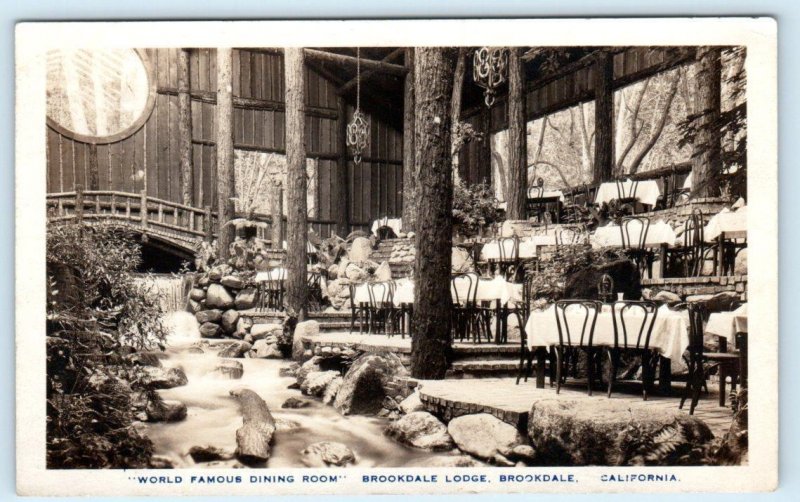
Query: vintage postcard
point(352, 257)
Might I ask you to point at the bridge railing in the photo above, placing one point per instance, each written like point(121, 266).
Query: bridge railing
point(137, 208)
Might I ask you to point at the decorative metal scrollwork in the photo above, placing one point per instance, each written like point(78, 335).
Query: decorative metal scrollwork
point(490, 70)
point(358, 128)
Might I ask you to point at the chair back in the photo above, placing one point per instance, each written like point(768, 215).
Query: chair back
point(627, 191)
point(698, 315)
point(571, 314)
point(380, 293)
point(535, 192)
point(509, 248)
point(633, 230)
point(632, 314)
point(466, 298)
point(693, 243)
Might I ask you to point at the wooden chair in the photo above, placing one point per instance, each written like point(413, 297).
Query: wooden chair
point(701, 363)
point(571, 343)
point(470, 320)
point(626, 195)
point(523, 312)
point(381, 307)
point(693, 253)
point(638, 342)
point(359, 311)
point(633, 230)
point(272, 291)
point(314, 282)
point(508, 262)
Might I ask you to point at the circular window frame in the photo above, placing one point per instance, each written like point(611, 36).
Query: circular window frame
point(128, 131)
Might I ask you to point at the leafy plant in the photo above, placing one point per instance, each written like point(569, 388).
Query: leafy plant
point(474, 207)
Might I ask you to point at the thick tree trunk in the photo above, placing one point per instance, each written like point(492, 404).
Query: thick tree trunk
point(455, 105)
point(226, 185)
point(185, 128)
point(517, 139)
point(409, 169)
point(603, 118)
point(253, 438)
point(433, 84)
point(706, 157)
point(296, 211)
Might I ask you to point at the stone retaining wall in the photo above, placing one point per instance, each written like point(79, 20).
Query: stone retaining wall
point(688, 287)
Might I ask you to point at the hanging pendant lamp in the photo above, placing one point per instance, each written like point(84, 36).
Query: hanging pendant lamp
point(490, 70)
point(358, 128)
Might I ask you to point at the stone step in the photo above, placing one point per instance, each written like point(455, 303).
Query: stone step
point(489, 368)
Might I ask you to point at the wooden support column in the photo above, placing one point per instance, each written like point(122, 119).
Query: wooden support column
point(341, 186)
point(276, 211)
point(185, 128)
point(431, 319)
point(226, 185)
point(517, 138)
point(603, 117)
point(296, 215)
point(707, 151)
point(409, 169)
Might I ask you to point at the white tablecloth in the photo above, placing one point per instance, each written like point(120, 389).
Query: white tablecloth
point(396, 224)
point(528, 246)
point(533, 193)
point(279, 274)
point(488, 290)
point(670, 335)
point(647, 192)
point(727, 324)
point(730, 222)
point(657, 234)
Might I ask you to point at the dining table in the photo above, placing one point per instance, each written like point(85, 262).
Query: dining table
point(660, 236)
point(727, 325)
point(669, 337)
point(727, 230)
point(647, 191)
point(396, 224)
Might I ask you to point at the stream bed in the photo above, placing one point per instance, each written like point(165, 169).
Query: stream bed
point(213, 415)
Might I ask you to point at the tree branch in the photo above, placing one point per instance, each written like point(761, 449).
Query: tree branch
point(664, 116)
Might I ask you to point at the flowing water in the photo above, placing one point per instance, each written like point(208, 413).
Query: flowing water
point(171, 289)
point(213, 415)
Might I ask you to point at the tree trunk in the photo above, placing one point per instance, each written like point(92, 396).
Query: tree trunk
point(706, 157)
point(455, 105)
point(433, 84)
point(663, 116)
point(226, 177)
point(296, 215)
point(409, 169)
point(185, 128)
point(517, 139)
point(603, 118)
point(253, 438)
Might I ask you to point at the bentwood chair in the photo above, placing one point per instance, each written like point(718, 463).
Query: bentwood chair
point(381, 307)
point(702, 363)
point(508, 262)
point(694, 252)
point(626, 195)
point(572, 314)
point(314, 282)
point(272, 290)
point(470, 320)
point(523, 312)
point(633, 327)
point(633, 230)
point(359, 310)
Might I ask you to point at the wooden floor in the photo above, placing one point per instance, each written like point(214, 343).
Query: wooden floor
point(512, 403)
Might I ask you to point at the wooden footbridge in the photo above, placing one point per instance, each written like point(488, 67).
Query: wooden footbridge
point(173, 227)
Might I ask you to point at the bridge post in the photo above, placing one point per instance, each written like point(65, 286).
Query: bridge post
point(143, 210)
point(79, 203)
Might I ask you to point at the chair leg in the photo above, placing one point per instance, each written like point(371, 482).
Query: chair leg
point(590, 362)
point(559, 363)
point(722, 374)
point(521, 371)
point(646, 374)
point(612, 377)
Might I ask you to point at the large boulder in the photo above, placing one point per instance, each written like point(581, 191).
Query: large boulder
point(213, 315)
point(262, 349)
point(243, 325)
point(316, 382)
point(232, 282)
point(461, 261)
point(327, 454)
point(360, 249)
point(197, 294)
point(459, 460)
point(266, 331)
point(411, 404)
point(294, 403)
point(363, 388)
point(303, 330)
point(162, 378)
point(724, 301)
point(567, 432)
point(421, 430)
point(355, 273)
point(245, 299)
point(383, 273)
point(307, 367)
point(235, 349)
point(210, 330)
point(159, 410)
point(333, 388)
point(229, 320)
point(218, 297)
point(485, 436)
point(209, 454)
point(666, 297)
point(582, 283)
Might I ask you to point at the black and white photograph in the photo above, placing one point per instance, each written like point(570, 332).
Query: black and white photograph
point(401, 259)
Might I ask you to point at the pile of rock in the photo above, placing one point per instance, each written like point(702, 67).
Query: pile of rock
point(355, 268)
point(217, 298)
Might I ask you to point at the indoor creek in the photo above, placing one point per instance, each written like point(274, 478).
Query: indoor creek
point(213, 415)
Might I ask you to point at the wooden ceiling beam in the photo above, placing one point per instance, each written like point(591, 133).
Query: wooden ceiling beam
point(369, 73)
point(369, 64)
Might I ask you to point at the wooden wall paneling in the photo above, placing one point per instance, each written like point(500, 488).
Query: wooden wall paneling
point(324, 168)
point(209, 176)
point(114, 162)
point(244, 80)
point(128, 168)
point(103, 166)
point(67, 164)
point(197, 166)
point(197, 120)
point(81, 166)
point(53, 161)
point(162, 146)
point(279, 141)
point(208, 122)
point(150, 147)
point(174, 163)
point(258, 124)
point(238, 125)
point(237, 72)
point(212, 70)
point(256, 76)
point(194, 70)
